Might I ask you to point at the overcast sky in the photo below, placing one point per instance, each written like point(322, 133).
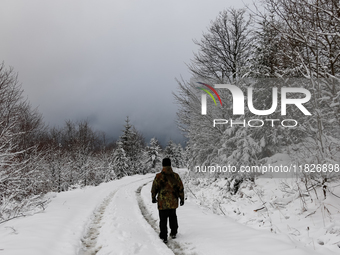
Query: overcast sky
point(105, 60)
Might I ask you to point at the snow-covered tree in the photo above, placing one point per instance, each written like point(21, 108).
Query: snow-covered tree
point(239, 148)
point(175, 152)
point(107, 166)
point(223, 57)
point(179, 155)
point(133, 144)
point(267, 42)
point(187, 159)
point(311, 32)
point(224, 49)
point(19, 178)
point(127, 138)
point(169, 151)
point(153, 153)
point(120, 161)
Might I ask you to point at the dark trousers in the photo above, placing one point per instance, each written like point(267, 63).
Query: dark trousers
point(163, 221)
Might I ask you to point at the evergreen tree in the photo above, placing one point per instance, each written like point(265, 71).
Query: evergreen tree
point(178, 155)
point(169, 151)
point(242, 149)
point(127, 138)
point(120, 161)
point(133, 144)
point(187, 159)
point(153, 153)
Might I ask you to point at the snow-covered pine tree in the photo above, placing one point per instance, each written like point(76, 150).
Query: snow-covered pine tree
point(153, 153)
point(243, 149)
point(127, 138)
point(120, 161)
point(138, 151)
point(133, 144)
point(187, 159)
point(169, 152)
point(179, 155)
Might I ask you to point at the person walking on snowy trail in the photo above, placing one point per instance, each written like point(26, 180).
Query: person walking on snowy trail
point(169, 187)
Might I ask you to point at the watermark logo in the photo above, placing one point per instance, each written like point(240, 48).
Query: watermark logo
point(239, 99)
point(204, 97)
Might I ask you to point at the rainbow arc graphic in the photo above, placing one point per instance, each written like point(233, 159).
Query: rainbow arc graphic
point(209, 93)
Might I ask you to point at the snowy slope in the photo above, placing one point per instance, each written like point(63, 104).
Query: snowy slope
point(108, 220)
point(279, 206)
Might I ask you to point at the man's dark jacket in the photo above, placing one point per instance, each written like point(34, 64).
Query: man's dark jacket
point(169, 187)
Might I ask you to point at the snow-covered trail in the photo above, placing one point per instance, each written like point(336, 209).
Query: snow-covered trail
point(110, 219)
point(123, 229)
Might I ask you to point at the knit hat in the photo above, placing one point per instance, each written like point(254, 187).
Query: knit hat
point(166, 162)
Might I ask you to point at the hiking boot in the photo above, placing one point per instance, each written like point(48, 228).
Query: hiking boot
point(164, 240)
point(173, 236)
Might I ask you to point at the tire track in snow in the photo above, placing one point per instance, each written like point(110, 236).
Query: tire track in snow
point(146, 214)
point(89, 240)
point(176, 247)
